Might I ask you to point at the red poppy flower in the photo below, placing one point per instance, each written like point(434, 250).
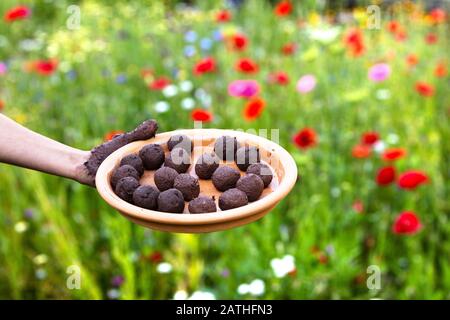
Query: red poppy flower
point(358, 206)
point(440, 70)
point(223, 16)
point(201, 115)
point(393, 26)
point(361, 151)
point(17, 13)
point(370, 138)
point(412, 179)
point(393, 154)
point(246, 65)
point(412, 59)
point(431, 38)
point(2, 105)
point(424, 89)
point(406, 223)
point(354, 42)
point(401, 35)
point(283, 8)
point(253, 108)
point(204, 66)
point(238, 42)
point(385, 176)
point(45, 67)
point(159, 83)
point(322, 258)
point(437, 15)
point(280, 78)
point(155, 257)
point(305, 138)
point(110, 135)
point(289, 48)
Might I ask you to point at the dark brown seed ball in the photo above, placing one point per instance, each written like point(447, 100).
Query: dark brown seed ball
point(180, 141)
point(171, 201)
point(178, 159)
point(246, 156)
point(188, 185)
point(225, 147)
point(202, 205)
point(263, 171)
point(146, 197)
point(252, 185)
point(126, 187)
point(135, 161)
point(152, 156)
point(225, 178)
point(122, 172)
point(164, 178)
point(206, 164)
point(232, 198)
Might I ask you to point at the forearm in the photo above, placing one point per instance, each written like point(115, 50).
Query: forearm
point(23, 147)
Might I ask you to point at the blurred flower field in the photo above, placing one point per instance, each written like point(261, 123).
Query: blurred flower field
point(363, 110)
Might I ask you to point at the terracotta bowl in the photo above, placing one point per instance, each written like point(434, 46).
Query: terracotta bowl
point(280, 161)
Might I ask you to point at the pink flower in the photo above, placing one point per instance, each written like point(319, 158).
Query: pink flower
point(243, 88)
point(306, 83)
point(379, 72)
point(3, 68)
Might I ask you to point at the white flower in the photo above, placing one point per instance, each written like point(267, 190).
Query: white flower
point(206, 100)
point(21, 227)
point(162, 106)
point(379, 146)
point(243, 289)
point(40, 259)
point(202, 295)
point(30, 45)
point(186, 86)
point(281, 267)
point(323, 35)
point(170, 91)
point(335, 192)
point(330, 249)
point(113, 294)
point(187, 103)
point(180, 295)
point(41, 274)
point(200, 93)
point(257, 287)
point(392, 138)
point(164, 267)
point(383, 94)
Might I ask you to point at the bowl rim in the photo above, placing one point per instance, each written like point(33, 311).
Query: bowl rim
point(286, 184)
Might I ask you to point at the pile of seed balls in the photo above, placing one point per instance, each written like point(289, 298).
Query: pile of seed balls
point(175, 186)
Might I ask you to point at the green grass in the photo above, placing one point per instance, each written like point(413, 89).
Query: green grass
point(72, 225)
